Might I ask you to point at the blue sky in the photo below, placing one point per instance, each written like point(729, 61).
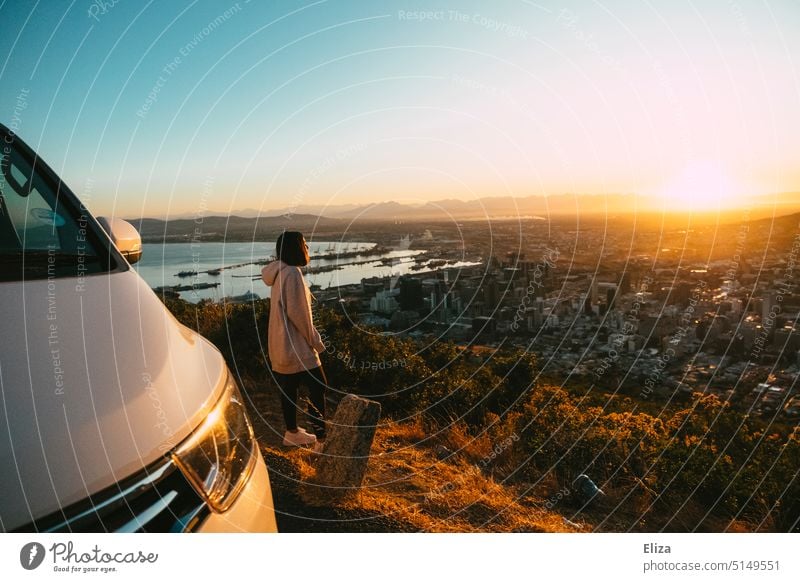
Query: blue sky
point(175, 107)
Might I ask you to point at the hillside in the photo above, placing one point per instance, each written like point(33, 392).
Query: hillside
point(482, 445)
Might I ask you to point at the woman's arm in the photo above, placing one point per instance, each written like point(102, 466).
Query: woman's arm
point(298, 309)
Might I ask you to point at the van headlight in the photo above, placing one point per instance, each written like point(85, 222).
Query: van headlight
point(220, 455)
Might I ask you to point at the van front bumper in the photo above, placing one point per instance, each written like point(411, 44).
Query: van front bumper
point(160, 499)
point(253, 510)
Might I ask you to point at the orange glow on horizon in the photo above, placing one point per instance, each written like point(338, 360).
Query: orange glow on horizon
point(702, 186)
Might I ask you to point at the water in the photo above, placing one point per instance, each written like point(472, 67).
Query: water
point(161, 263)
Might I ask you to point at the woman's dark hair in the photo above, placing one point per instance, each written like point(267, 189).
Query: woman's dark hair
point(290, 248)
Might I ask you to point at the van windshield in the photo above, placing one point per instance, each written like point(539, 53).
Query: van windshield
point(42, 233)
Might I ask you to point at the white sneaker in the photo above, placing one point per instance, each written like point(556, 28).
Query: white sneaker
point(318, 446)
point(298, 439)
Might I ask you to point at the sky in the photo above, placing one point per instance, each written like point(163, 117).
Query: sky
point(165, 109)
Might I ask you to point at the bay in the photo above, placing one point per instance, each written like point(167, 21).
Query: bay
point(240, 268)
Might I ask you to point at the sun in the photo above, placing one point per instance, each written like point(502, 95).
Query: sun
point(701, 186)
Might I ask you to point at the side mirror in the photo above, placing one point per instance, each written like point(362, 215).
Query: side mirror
point(124, 236)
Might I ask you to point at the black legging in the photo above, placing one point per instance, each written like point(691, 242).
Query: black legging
point(316, 382)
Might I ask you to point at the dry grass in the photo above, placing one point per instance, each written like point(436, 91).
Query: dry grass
point(452, 494)
point(414, 490)
point(408, 487)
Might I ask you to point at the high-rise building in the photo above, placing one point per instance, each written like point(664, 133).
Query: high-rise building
point(512, 276)
point(625, 283)
point(736, 306)
point(370, 286)
point(411, 296)
point(384, 302)
point(611, 297)
point(681, 294)
point(766, 306)
point(439, 302)
point(513, 259)
point(437, 295)
point(491, 292)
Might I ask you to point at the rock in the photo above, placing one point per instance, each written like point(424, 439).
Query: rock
point(442, 452)
point(571, 524)
point(341, 467)
point(586, 488)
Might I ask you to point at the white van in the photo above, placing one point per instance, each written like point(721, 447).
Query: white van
point(113, 416)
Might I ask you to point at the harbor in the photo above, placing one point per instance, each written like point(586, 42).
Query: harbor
point(216, 271)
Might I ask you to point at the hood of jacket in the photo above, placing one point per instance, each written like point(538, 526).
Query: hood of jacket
point(270, 272)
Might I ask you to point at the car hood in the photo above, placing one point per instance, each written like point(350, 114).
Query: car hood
point(97, 381)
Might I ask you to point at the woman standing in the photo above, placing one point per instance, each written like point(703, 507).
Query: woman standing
point(294, 342)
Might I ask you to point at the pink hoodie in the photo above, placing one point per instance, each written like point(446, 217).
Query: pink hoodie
point(294, 342)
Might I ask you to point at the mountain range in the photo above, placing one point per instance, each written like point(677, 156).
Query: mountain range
point(499, 207)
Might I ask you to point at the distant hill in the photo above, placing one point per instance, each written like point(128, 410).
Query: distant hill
point(231, 228)
point(528, 206)
point(494, 207)
point(336, 218)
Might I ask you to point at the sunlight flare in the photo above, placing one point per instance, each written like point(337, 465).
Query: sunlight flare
point(701, 186)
